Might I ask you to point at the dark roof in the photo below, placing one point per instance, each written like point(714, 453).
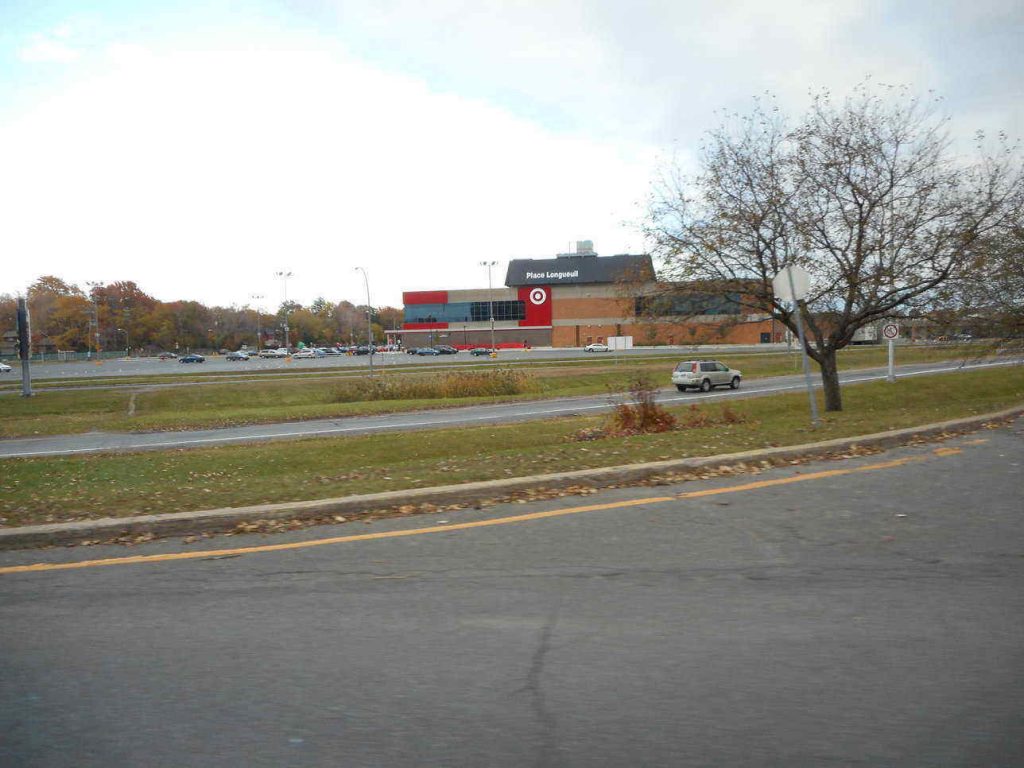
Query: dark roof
point(579, 270)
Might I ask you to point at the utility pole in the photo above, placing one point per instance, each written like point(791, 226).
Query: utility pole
point(284, 281)
point(490, 300)
point(24, 347)
point(259, 333)
point(369, 320)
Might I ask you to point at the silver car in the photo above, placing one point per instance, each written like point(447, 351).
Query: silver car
point(704, 374)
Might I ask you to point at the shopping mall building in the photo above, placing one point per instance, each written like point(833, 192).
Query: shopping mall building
point(573, 300)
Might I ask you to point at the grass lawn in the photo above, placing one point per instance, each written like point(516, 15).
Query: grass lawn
point(236, 403)
point(61, 489)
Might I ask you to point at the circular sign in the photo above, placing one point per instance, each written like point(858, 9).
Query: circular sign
point(891, 331)
point(538, 296)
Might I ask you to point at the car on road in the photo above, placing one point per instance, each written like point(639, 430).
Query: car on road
point(309, 352)
point(480, 351)
point(596, 347)
point(427, 351)
point(168, 356)
point(5, 368)
point(237, 355)
point(704, 375)
point(193, 358)
point(444, 349)
point(272, 353)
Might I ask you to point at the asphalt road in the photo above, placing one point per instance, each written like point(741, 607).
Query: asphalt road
point(864, 612)
point(94, 442)
point(215, 364)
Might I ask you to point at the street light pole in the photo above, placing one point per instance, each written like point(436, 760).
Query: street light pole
point(490, 300)
point(369, 320)
point(94, 324)
point(284, 281)
point(259, 332)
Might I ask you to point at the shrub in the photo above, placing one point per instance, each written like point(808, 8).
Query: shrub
point(642, 414)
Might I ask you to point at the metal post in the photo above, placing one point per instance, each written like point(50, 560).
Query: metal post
point(369, 319)
point(892, 361)
point(490, 300)
point(24, 347)
point(803, 351)
point(259, 330)
point(284, 279)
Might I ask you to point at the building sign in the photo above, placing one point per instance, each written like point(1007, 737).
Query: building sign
point(536, 300)
point(579, 270)
point(553, 275)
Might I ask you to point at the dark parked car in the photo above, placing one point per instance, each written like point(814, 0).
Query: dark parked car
point(478, 351)
point(444, 349)
point(193, 358)
point(362, 349)
point(239, 355)
point(427, 351)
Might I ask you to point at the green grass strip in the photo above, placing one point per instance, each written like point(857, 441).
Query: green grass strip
point(73, 488)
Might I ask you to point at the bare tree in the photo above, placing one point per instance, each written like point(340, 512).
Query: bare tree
point(867, 195)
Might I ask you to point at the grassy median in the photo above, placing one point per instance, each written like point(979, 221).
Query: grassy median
point(237, 403)
point(62, 489)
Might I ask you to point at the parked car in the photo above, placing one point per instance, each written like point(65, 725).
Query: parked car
point(479, 351)
point(596, 347)
point(704, 374)
point(329, 350)
point(279, 352)
point(168, 356)
point(362, 349)
point(444, 349)
point(427, 351)
point(193, 358)
point(304, 354)
point(5, 368)
point(238, 355)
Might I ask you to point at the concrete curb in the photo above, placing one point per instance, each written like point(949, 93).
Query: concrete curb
point(226, 519)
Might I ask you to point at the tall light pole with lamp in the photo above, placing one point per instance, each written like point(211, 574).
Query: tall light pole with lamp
point(369, 319)
point(490, 300)
point(284, 281)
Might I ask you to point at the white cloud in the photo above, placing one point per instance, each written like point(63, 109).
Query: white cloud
point(48, 49)
point(198, 174)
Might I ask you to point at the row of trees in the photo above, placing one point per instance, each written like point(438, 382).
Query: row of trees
point(870, 197)
point(121, 315)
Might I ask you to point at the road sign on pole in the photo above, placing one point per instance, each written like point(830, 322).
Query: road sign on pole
point(891, 332)
point(792, 284)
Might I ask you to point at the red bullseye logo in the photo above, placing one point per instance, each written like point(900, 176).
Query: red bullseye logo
point(538, 296)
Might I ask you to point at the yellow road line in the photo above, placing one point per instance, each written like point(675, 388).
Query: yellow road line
point(209, 553)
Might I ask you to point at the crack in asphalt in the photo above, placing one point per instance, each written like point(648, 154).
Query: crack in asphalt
point(545, 717)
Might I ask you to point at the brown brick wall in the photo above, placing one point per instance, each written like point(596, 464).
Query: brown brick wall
point(646, 334)
point(569, 309)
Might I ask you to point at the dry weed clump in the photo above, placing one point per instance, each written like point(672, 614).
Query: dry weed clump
point(455, 384)
point(643, 415)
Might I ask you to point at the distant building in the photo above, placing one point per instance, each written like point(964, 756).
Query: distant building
point(575, 299)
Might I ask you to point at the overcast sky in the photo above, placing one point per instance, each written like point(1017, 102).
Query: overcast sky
point(200, 147)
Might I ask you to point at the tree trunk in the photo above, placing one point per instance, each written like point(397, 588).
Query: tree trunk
point(830, 381)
